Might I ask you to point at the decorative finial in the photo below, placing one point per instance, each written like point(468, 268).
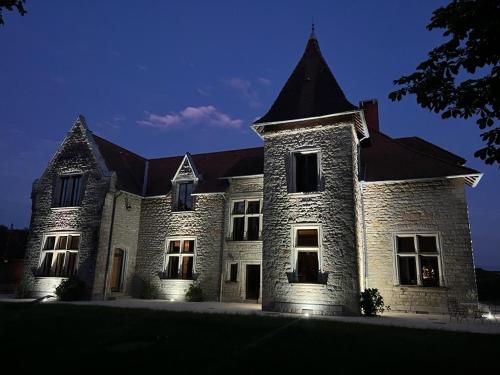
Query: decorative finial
point(313, 34)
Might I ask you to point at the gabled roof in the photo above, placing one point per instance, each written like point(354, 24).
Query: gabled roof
point(311, 90)
point(422, 145)
point(387, 159)
point(129, 167)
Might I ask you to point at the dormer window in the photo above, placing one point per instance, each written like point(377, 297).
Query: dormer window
point(184, 197)
point(68, 191)
point(305, 171)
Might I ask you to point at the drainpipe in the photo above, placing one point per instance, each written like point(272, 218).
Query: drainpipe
point(110, 242)
point(221, 256)
point(365, 246)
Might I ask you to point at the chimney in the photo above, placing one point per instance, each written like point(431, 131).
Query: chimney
point(370, 108)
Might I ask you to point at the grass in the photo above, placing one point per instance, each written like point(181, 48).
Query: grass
point(57, 338)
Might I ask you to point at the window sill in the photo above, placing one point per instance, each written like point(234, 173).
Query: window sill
point(183, 212)
point(309, 194)
point(421, 287)
point(297, 284)
point(176, 280)
point(69, 208)
point(243, 241)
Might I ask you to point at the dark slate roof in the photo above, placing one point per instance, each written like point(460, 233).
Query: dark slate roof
point(422, 145)
point(211, 166)
point(387, 159)
point(382, 159)
point(311, 90)
point(129, 167)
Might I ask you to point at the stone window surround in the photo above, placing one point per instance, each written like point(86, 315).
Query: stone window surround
point(58, 234)
point(246, 199)
point(296, 249)
point(292, 189)
point(180, 255)
point(175, 194)
point(438, 255)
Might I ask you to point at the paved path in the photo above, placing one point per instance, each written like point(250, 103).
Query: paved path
point(420, 321)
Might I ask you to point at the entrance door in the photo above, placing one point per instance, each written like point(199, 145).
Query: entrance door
point(253, 281)
point(117, 270)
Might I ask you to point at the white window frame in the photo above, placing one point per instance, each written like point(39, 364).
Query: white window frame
point(296, 249)
point(293, 168)
point(60, 251)
point(228, 271)
point(176, 185)
point(416, 255)
point(180, 255)
point(245, 217)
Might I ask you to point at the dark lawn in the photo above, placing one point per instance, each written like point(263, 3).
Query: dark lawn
point(69, 339)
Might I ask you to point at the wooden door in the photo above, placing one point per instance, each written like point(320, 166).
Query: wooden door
point(253, 281)
point(117, 270)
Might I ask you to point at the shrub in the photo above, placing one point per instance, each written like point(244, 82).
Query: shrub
point(372, 302)
point(144, 288)
point(194, 293)
point(23, 290)
point(71, 289)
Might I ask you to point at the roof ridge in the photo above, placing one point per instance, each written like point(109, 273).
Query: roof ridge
point(423, 153)
point(207, 153)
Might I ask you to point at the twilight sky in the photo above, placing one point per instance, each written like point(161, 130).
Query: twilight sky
point(162, 78)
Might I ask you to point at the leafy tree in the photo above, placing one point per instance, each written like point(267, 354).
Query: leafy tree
point(461, 77)
point(11, 5)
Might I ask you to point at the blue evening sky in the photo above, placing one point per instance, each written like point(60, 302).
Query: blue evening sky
point(163, 77)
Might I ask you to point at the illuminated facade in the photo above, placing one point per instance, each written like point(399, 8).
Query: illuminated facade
point(327, 207)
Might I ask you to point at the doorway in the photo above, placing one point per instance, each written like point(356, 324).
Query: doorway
point(252, 281)
point(117, 270)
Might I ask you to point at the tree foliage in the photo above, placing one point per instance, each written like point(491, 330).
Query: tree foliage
point(11, 5)
point(461, 77)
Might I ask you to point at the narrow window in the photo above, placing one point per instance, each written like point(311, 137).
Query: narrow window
point(68, 191)
point(418, 260)
point(184, 197)
point(306, 172)
point(233, 272)
point(180, 259)
point(307, 255)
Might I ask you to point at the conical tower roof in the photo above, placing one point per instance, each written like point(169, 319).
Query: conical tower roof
point(311, 90)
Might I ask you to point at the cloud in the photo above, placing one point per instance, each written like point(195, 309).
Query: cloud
point(202, 92)
point(203, 115)
point(115, 122)
point(245, 89)
point(264, 81)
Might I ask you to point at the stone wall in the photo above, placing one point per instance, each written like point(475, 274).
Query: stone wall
point(74, 156)
point(241, 252)
point(414, 207)
point(333, 208)
point(205, 222)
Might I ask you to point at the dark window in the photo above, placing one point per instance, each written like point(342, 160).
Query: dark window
point(59, 256)
point(253, 207)
point(185, 199)
point(188, 246)
point(239, 208)
point(307, 266)
point(180, 259)
point(68, 191)
point(307, 238)
point(173, 268)
point(253, 228)
point(233, 272)
point(427, 244)
point(238, 228)
point(407, 271)
point(429, 271)
point(406, 244)
point(175, 247)
point(187, 268)
point(306, 172)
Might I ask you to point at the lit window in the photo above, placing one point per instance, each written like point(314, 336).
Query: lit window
point(68, 191)
point(184, 197)
point(418, 260)
point(305, 171)
point(179, 259)
point(306, 246)
point(246, 220)
point(59, 255)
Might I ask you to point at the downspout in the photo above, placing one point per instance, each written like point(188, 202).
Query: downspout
point(365, 246)
point(110, 242)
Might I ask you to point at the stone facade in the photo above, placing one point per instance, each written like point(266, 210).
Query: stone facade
point(435, 207)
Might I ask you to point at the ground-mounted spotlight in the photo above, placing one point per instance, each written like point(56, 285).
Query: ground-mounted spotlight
point(307, 312)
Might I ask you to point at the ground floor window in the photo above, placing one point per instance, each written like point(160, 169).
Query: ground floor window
point(179, 263)
point(307, 255)
point(418, 259)
point(233, 272)
point(59, 256)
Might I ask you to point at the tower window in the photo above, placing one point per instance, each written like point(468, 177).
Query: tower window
point(184, 197)
point(305, 171)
